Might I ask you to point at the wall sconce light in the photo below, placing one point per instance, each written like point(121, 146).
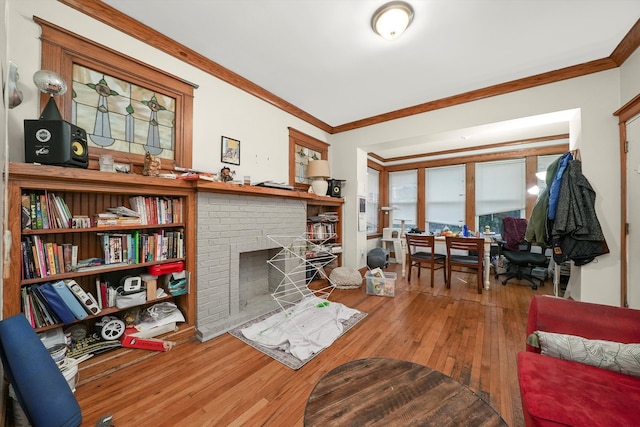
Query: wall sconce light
point(15, 95)
point(318, 171)
point(392, 19)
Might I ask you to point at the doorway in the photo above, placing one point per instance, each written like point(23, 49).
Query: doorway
point(633, 212)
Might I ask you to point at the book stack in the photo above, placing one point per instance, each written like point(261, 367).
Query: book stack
point(137, 247)
point(42, 259)
point(117, 216)
point(63, 301)
point(157, 210)
point(44, 211)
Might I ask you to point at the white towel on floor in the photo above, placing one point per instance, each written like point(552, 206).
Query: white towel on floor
point(308, 327)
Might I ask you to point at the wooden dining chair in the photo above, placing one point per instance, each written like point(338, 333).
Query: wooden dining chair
point(421, 254)
point(473, 259)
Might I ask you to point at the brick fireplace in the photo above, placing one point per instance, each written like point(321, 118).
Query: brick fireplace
point(234, 282)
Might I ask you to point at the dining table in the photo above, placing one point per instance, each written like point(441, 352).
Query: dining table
point(441, 247)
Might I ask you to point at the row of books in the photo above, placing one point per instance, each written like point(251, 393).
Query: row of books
point(106, 294)
point(137, 247)
point(43, 259)
point(321, 230)
point(49, 304)
point(44, 211)
point(158, 210)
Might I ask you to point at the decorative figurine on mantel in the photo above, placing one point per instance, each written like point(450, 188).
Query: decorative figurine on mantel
point(226, 174)
point(152, 165)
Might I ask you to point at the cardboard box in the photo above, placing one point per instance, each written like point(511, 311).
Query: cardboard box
point(381, 286)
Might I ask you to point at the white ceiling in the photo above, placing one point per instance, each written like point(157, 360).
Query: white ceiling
point(323, 57)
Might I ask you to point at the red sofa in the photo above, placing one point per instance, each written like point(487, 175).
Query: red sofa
point(559, 392)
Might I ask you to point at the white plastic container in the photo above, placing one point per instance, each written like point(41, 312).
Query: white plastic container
point(106, 163)
point(70, 371)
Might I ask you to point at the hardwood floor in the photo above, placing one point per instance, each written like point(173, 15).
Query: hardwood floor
point(223, 382)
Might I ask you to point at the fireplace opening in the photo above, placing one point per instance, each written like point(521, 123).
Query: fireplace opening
point(257, 280)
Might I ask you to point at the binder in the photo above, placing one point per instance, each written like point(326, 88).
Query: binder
point(56, 303)
point(70, 300)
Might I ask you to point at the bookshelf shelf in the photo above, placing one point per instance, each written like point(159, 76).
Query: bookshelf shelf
point(104, 269)
point(88, 193)
point(324, 228)
point(28, 232)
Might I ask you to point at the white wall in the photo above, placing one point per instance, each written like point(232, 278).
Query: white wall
point(594, 132)
point(219, 108)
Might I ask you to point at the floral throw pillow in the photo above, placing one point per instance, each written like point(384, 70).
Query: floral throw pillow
point(614, 356)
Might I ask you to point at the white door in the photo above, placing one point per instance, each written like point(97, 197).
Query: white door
point(633, 212)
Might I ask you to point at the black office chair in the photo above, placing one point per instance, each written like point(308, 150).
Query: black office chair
point(518, 253)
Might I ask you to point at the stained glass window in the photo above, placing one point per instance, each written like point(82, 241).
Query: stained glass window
point(303, 155)
point(303, 148)
point(122, 116)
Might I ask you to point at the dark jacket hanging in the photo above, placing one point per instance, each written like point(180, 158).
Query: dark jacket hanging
point(576, 231)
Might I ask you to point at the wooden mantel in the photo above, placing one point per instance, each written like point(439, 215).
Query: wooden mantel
point(27, 171)
point(252, 190)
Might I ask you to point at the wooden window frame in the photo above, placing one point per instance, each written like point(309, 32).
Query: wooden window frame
point(298, 138)
point(61, 49)
point(382, 181)
point(529, 154)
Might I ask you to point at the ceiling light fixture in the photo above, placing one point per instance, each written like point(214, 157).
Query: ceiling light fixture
point(392, 19)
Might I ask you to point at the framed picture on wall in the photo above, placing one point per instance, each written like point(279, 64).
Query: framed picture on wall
point(230, 151)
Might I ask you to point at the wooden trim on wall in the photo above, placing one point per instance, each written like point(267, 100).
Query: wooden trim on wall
point(624, 114)
point(627, 45)
point(470, 190)
point(298, 138)
point(477, 158)
point(421, 197)
point(116, 19)
point(531, 167)
point(505, 144)
point(488, 92)
point(381, 184)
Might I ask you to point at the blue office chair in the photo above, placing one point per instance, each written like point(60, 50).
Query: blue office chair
point(40, 387)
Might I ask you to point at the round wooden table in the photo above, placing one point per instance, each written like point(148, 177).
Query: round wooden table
point(389, 392)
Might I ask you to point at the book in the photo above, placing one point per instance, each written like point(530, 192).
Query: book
point(45, 211)
point(26, 306)
point(39, 223)
point(66, 256)
point(50, 258)
point(74, 256)
point(60, 258)
point(32, 211)
point(35, 310)
point(57, 304)
point(69, 299)
point(124, 211)
point(26, 211)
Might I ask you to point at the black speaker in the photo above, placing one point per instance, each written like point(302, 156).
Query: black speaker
point(335, 187)
point(55, 142)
